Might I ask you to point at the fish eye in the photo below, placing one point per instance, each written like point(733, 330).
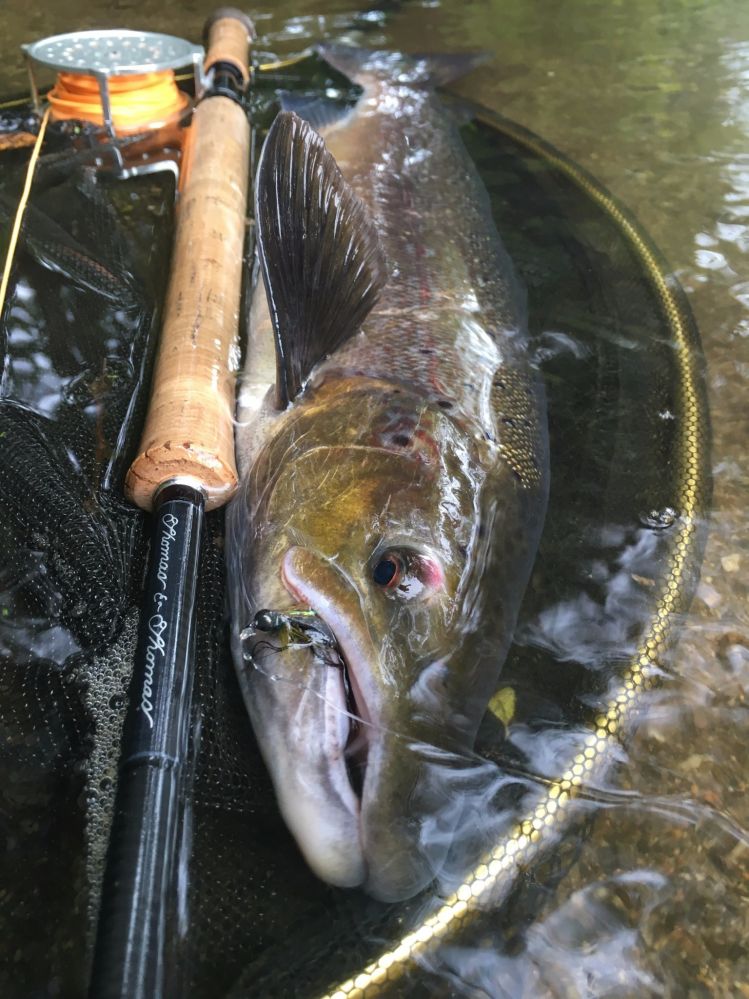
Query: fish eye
point(407, 573)
point(388, 571)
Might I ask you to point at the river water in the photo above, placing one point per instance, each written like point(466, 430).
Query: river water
point(653, 99)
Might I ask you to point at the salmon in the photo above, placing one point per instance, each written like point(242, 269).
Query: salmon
point(393, 462)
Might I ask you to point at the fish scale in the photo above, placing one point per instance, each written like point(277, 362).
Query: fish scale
point(449, 320)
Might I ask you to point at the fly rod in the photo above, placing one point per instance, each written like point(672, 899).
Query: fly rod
point(185, 467)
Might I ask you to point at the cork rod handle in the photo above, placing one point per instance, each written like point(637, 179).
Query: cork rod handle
point(188, 435)
point(229, 32)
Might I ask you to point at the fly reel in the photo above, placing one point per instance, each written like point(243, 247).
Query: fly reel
point(123, 84)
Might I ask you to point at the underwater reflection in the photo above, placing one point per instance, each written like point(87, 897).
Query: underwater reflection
point(593, 632)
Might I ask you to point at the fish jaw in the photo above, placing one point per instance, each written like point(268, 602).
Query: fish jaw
point(296, 701)
point(315, 795)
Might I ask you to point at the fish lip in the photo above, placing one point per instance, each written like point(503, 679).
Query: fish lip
point(314, 793)
point(347, 655)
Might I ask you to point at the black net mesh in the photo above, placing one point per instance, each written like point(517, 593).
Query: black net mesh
point(78, 338)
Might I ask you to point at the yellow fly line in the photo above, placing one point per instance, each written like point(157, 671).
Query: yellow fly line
point(16, 102)
point(497, 869)
point(269, 67)
point(16, 230)
point(261, 67)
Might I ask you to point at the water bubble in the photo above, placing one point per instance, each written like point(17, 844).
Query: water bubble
point(659, 520)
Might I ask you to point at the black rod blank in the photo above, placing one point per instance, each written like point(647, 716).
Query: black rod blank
point(137, 941)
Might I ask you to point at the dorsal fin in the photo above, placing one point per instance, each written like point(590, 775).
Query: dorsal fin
point(320, 256)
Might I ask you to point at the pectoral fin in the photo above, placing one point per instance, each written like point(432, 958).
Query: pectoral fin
point(320, 255)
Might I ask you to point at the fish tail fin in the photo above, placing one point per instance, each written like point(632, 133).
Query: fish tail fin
point(420, 70)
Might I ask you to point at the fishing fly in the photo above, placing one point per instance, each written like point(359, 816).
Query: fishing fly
point(297, 629)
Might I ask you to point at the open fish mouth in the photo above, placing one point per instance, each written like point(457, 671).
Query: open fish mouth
point(356, 749)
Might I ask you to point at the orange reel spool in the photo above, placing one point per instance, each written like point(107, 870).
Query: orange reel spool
point(138, 101)
point(119, 79)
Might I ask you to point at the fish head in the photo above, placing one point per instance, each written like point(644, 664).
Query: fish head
point(374, 510)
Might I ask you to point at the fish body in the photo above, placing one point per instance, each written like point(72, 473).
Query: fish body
point(396, 486)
